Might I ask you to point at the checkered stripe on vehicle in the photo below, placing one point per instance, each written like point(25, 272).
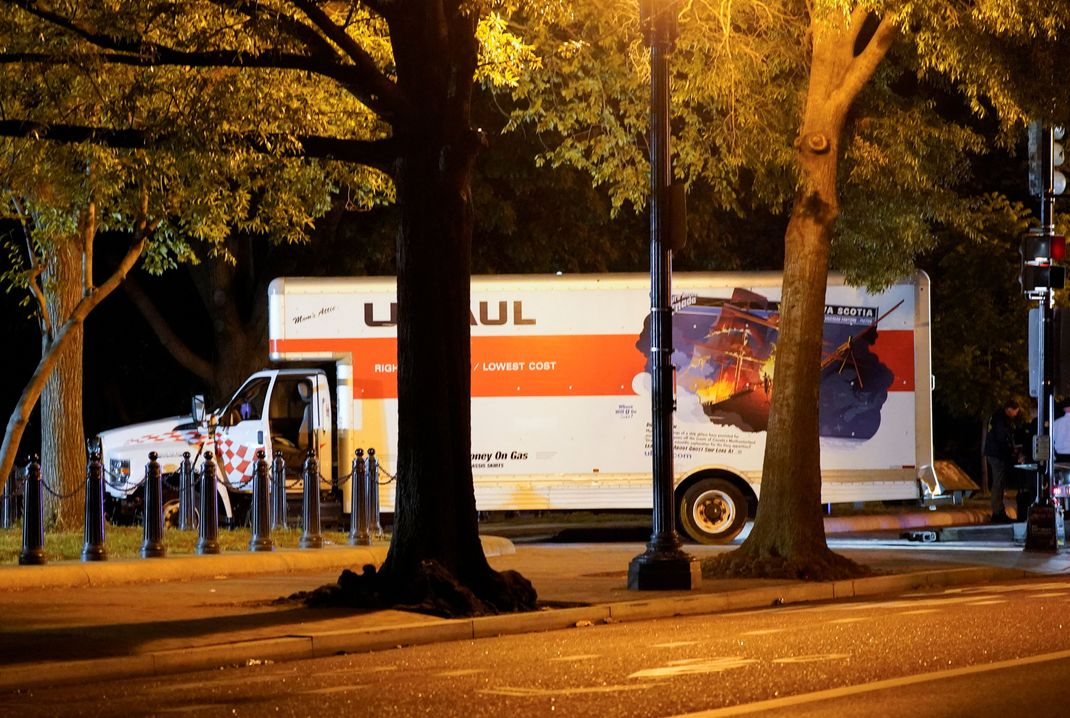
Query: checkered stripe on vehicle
point(191, 436)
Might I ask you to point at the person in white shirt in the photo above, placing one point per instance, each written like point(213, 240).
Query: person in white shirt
point(1060, 435)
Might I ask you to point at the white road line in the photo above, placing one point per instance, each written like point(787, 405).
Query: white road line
point(833, 693)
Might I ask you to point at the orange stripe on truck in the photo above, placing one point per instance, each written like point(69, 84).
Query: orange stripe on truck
point(559, 365)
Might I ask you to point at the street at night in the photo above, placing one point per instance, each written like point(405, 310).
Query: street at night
point(978, 651)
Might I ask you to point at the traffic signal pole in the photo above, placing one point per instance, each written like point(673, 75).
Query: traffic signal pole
point(1041, 523)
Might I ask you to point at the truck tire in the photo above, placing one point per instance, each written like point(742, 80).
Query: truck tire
point(713, 511)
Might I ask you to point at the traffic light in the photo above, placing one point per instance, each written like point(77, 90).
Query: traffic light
point(1046, 155)
point(1040, 252)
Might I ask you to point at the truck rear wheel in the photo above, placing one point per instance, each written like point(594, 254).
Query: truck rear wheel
point(713, 511)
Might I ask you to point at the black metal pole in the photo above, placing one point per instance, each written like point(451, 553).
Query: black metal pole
point(208, 528)
point(185, 493)
point(33, 524)
point(1040, 530)
point(664, 565)
point(278, 492)
point(7, 502)
point(261, 538)
point(93, 548)
point(374, 524)
point(358, 499)
point(310, 508)
point(152, 546)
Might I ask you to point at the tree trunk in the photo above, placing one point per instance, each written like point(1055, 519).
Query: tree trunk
point(436, 525)
point(51, 352)
point(63, 453)
point(788, 536)
point(240, 336)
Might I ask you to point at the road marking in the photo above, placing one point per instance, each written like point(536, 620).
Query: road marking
point(577, 657)
point(833, 693)
point(814, 658)
point(675, 644)
point(517, 692)
point(694, 666)
point(460, 672)
point(919, 611)
point(763, 631)
point(335, 689)
point(851, 619)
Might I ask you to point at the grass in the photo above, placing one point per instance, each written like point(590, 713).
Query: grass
point(125, 542)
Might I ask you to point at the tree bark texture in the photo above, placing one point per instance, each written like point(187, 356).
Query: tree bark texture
point(788, 536)
point(435, 518)
point(63, 453)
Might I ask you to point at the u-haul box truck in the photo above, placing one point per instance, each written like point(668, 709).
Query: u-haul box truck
point(561, 392)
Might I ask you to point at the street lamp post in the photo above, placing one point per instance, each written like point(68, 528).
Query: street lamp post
point(664, 565)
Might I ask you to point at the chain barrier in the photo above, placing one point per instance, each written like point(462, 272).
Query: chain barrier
point(63, 497)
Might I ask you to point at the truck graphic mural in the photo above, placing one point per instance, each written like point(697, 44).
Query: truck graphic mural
point(725, 352)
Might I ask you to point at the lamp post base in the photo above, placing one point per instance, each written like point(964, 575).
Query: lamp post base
point(1040, 529)
point(664, 571)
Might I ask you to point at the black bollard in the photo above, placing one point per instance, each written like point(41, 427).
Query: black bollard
point(358, 500)
point(93, 548)
point(7, 502)
point(278, 492)
point(152, 546)
point(208, 529)
point(261, 540)
point(310, 509)
point(33, 523)
point(373, 492)
point(185, 493)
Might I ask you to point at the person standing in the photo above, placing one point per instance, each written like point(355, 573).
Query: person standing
point(1060, 434)
point(1002, 454)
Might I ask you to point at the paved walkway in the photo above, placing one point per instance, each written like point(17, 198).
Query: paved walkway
point(72, 622)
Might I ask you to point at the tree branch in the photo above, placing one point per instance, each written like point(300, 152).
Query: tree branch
point(379, 154)
point(862, 67)
point(363, 79)
point(178, 349)
point(44, 320)
point(378, 84)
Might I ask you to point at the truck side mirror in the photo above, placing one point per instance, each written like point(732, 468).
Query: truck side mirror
point(198, 408)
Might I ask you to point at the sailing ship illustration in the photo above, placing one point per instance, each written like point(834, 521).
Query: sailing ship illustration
point(731, 368)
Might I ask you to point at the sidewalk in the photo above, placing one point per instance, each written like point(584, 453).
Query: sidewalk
point(75, 622)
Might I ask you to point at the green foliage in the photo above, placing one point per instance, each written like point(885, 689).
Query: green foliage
point(221, 139)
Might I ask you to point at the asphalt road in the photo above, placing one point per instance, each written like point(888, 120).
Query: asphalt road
point(995, 650)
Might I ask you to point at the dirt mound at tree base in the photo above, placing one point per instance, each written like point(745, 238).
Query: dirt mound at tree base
point(430, 589)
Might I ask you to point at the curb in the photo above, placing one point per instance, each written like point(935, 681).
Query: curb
point(316, 645)
point(72, 574)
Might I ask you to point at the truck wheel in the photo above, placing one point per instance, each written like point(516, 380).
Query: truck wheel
point(713, 511)
point(170, 515)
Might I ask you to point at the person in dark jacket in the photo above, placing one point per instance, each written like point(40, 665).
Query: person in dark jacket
point(1002, 454)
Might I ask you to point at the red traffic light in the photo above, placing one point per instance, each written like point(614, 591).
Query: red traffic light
point(1058, 248)
point(1042, 249)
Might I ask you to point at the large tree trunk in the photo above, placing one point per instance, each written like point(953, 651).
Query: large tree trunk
point(62, 433)
point(436, 525)
point(788, 536)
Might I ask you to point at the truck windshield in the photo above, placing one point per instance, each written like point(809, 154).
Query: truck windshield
point(247, 404)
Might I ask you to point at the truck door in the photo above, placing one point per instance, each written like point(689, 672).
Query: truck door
point(241, 430)
point(291, 420)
